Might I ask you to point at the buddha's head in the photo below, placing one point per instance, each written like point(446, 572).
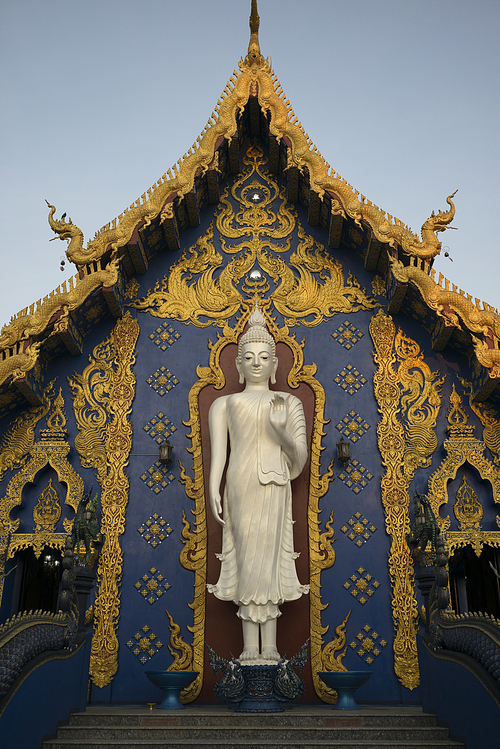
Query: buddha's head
point(256, 360)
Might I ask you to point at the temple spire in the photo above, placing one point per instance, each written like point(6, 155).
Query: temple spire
point(254, 54)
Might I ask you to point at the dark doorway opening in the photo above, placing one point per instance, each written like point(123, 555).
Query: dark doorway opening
point(474, 586)
point(40, 582)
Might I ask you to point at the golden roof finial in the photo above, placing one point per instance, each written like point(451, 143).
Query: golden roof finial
point(254, 54)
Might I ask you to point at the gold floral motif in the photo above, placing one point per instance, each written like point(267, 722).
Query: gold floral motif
point(378, 286)
point(461, 447)
point(255, 219)
point(102, 402)
point(409, 399)
point(321, 553)
point(132, 288)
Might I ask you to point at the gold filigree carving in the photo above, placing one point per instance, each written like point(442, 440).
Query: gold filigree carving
point(317, 293)
point(193, 555)
point(378, 286)
point(46, 514)
point(461, 447)
point(132, 288)
point(175, 298)
point(183, 656)
point(18, 440)
point(321, 297)
point(469, 512)
point(488, 418)
point(332, 661)
point(52, 449)
point(103, 397)
point(409, 397)
point(90, 404)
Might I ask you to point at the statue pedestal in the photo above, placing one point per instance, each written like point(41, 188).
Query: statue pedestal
point(260, 694)
point(261, 688)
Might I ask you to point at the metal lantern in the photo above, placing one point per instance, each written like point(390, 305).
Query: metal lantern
point(343, 451)
point(166, 452)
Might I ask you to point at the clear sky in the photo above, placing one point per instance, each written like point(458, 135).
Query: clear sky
point(99, 98)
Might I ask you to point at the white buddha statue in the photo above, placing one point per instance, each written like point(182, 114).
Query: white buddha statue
point(267, 436)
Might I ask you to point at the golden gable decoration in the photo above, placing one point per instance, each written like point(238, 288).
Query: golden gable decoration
point(191, 293)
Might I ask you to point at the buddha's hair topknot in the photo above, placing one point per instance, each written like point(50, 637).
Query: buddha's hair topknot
point(257, 333)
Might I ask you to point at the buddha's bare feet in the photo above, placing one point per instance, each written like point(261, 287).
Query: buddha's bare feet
point(270, 655)
point(249, 654)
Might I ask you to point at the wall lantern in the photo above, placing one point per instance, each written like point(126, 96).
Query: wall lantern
point(343, 451)
point(166, 452)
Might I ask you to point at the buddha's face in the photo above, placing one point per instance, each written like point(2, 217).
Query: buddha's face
point(257, 362)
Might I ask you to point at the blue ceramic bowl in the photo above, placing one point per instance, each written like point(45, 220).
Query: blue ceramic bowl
point(171, 684)
point(345, 684)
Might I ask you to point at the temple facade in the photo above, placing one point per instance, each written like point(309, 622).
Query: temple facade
point(397, 370)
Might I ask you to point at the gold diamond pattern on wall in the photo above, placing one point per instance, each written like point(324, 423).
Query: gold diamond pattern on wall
point(164, 336)
point(368, 645)
point(359, 530)
point(355, 476)
point(157, 477)
point(155, 530)
point(361, 585)
point(162, 381)
point(353, 426)
point(347, 335)
point(159, 427)
point(152, 586)
point(350, 380)
point(143, 645)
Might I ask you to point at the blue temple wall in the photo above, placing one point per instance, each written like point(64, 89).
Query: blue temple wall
point(358, 556)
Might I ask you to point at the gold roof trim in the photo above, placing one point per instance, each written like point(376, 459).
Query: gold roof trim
point(255, 78)
point(453, 305)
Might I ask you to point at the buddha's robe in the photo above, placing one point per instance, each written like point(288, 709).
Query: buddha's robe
point(258, 558)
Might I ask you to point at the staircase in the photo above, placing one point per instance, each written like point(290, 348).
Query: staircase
point(215, 727)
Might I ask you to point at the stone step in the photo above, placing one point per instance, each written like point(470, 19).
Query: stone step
point(329, 744)
point(106, 727)
point(314, 717)
point(253, 734)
